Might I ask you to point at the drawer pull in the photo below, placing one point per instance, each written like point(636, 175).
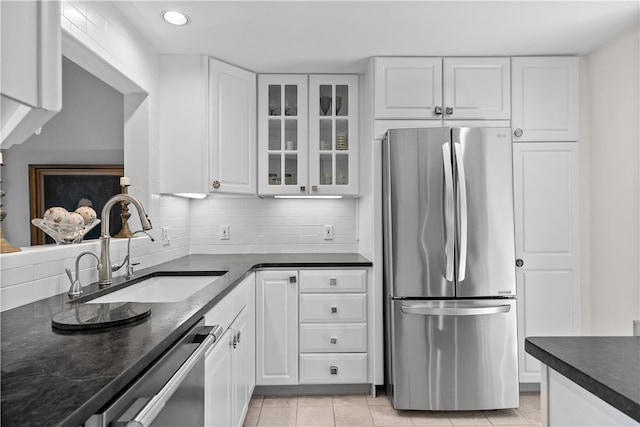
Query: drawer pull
point(292, 279)
point(333, 370)
point(333, 281)
point(334, 309)
point(334, 340)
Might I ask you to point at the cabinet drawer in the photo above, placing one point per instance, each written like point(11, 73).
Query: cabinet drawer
point(318, 308)
point(333, 338)
point(333, 281)
point(338, 368)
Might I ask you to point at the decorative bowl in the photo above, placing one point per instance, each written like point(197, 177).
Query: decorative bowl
point(64, 235)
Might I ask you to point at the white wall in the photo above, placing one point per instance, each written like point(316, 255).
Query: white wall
point(614, 138)
point(88, 130)
point(273, 225)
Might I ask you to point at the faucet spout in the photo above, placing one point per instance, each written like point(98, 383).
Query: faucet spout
point(106, 277)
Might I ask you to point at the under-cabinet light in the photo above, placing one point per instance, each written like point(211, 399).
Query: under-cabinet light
point(191, 195)
point(174, 17)
point(307, 197)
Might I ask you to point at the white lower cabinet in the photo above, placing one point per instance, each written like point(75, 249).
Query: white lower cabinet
point(277, 328)
point(312, 327)
point(230, 364)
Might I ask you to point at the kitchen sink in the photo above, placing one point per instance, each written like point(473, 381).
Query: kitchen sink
point(158, 289)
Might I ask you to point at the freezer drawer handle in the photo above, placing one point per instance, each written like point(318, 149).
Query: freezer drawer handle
point(454, 311)
point(151, 410)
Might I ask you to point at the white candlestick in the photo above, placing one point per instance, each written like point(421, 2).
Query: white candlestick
point(124, 181)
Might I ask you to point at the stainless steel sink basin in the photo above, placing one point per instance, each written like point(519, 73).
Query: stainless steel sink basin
point(158, 289)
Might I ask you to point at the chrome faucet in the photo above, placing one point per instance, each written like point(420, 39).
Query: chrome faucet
point(106, 277)
point(129, 273)
point(76, 287)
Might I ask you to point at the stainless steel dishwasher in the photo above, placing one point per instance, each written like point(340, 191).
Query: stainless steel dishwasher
point(170, 392)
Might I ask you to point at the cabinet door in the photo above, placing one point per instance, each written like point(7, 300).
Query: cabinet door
point(232, 106)
point(282, 134)
point(276, 327)
point(218, 397)
point(545, 98)
point(547, 226)
point(477, 88)
point(242, 378)
point(407, 88)
point(333, 134)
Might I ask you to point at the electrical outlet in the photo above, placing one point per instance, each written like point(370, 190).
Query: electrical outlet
point(328, 232)
point(224, 232)
point(166, 236)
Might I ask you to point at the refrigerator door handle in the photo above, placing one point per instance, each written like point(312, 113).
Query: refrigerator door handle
point(448, 207)
point(429, 310)
point(462, 194)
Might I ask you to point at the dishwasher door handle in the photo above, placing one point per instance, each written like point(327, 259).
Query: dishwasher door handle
point(151, 410)
point(426, 310)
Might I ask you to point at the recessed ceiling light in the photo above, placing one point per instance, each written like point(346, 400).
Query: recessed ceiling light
point(174, 17)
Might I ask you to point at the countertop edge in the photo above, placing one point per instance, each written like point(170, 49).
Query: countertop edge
point(584, 380)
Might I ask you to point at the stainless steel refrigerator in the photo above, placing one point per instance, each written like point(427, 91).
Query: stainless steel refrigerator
point(449, 269)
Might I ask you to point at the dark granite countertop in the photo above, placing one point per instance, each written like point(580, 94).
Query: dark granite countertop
point(52, 377)
point(608, 367)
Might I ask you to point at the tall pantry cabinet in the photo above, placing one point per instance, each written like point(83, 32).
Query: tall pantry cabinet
point(545, 164)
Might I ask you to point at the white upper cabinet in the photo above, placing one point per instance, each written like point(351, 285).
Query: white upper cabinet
point(31, 67)
point(407, 88)
point(477, 88)
point(308, 135)
point(232, 107)
point(545, 98)
point(282, 134)
point(437, 89)
point(333, 134)
point(207, 126)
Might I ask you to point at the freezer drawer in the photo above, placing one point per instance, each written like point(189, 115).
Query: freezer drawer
point(454, 354)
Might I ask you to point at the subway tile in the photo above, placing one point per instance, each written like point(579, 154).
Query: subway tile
point(14, 276)
point(15, 296)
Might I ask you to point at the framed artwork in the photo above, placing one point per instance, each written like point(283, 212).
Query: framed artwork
point(71, 186)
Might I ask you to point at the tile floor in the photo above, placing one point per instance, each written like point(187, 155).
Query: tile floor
point(363, 410)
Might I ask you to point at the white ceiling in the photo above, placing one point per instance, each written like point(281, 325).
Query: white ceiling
point(338, 36)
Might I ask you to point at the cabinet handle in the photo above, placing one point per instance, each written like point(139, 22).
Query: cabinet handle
point(519, 262)
point(333, 281)
point(334, 309)
point(235, 342)
point(215, 184)
point(448, 110)
point(238, 339)
point(333, 370)
point(518, 132)
point(292, 279)
point(437, 111)
point(333, 340)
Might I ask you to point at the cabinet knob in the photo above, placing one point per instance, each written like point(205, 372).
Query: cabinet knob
point(303, 188)
point(292, 279)
point(448, 110)
point(333, 370)
point(333, 340)
point(518, 132)
point(215, 184)
point(333, 281)
point(334, 309)
point(314, 188)
point(437, 111)
point(519, 262)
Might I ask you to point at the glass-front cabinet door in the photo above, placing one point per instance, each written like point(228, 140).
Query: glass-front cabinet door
point(333, 134)
point(282, 134)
